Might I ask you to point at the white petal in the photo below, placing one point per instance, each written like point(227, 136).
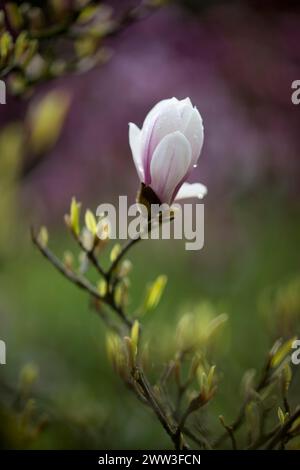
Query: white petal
point(169, 165)
point(194, 132)
point(162, 123)
point(186, 102)
point(185, 108)
point(158, 108)
point(188, 190)
point(135, 145)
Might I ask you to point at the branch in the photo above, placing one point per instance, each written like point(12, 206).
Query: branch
point(201, 441)
point(230, 432)
point(241, 415)
point(130, 243)
point(283, 432)
point(122, 253)
point(173, 432)
point(129, 17)
point(90, 254)
point(79, 281)
point(137, 374)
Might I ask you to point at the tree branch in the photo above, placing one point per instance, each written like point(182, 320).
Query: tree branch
point(79, 281)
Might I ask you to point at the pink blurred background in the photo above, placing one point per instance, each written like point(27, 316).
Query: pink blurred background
point(236, 63)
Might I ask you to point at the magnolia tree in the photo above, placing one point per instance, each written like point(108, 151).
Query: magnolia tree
point(165, 151)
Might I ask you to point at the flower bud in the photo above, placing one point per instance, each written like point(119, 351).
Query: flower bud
point(167, 148)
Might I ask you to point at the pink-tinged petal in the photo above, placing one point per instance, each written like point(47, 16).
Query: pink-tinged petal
point(135, 145)
point(169, 164)
point(194, 132)
point(191, 190)
point(163, 122)
point(157, 109)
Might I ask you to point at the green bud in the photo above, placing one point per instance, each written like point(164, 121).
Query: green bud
point(90, 222)
point(154, 293)
point(43, 236)
point(74, 216)
point(281, 416)
point(116, 250)
point(6, 45)
point(102, 287)
point(68, 260)
point(135, 338)
point(280, 352)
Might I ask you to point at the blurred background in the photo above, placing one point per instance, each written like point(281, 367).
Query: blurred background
point(236, 61)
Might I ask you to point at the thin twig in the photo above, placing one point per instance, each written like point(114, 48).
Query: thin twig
point(129, 17)
point(262, 439)
point(241, 415)
point(283, 433)
point(199, 440)
point(230, 432)
point(122, 253)
point(79, 281)
point(90, 254)
point(173, 432)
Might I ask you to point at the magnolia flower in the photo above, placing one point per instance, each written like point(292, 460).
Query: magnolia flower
point(167, 148)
